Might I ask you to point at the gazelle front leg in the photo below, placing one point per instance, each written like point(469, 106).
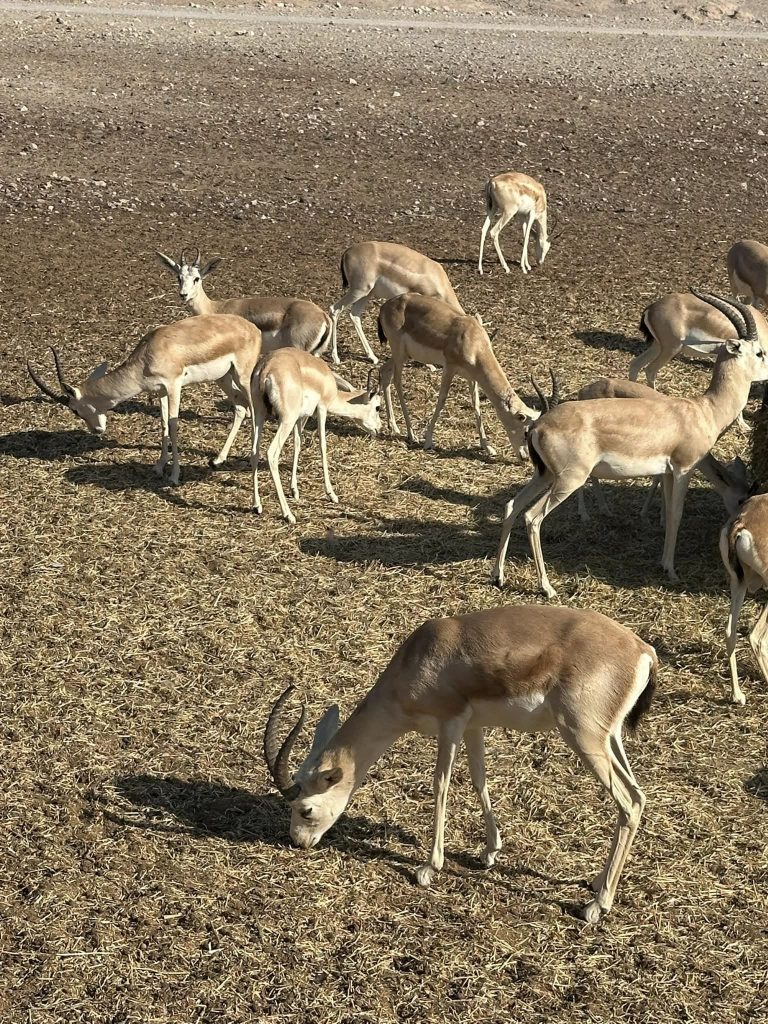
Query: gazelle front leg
point(401, 399)
point(174, 401)
point(524, 264)
point(297, 429)
point(356, 311)
point(448, 741)
point(474, 741)
point(321, 415)
point(532, 490)
point(238, 398)
point(675, 488)
point(484, 446)
point(165, 442)
point(258, 425)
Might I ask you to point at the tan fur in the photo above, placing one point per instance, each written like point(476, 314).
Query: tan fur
point(513, 196)
point(748, 270)
point(679, 322)
point(292, 385)
point(744, 551)
point(294, 323)
point(382, 270)
point(427, 330)
point(625, 438)
point(528, 668)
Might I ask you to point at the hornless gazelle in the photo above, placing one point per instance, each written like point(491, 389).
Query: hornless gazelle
point(283, 322)
point(619, 438)
point(220, 348)
point(527, 668)
point(744, 550)
point(382, 270)
point(515, 196)
point(729, 479)
point(748, 270)
point(291, 385)
point(429, 331)
point(681, 323)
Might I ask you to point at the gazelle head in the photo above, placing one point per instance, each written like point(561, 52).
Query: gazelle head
point(320, 790)
point(370, 401)
point(75, 398)
point(746, 346)
point(189, 273)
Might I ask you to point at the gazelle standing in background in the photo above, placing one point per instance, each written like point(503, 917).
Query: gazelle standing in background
point(748, 270)
point(513, 196)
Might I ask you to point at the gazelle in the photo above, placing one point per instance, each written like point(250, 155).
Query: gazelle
point(515, 196)
point(219, 347)
point(683, 324)
point(527, 668)
point(382, 270)
point(744, 550)
point(291, 385)
point(428, 330)
point(729, 479)
point(620, 438)
point(748, 270)
point(283, 322)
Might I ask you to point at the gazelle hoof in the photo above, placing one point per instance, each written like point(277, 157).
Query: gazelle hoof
point(489, 450)
point(428, 445)
point(738, 698)
point(424, 875)
point(290, 518)
point(159, 468)
point(212, 462)
point(373, 358)
point(496, 579)
point(548, 591)
point(332, 497)
point(489, 858)
point(258, 509)
point(592, 912)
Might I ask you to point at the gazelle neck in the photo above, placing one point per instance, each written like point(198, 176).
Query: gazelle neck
point(368, 733)
point(200, 304)
point(114, 387)
point(350, 404)
point(727, 393)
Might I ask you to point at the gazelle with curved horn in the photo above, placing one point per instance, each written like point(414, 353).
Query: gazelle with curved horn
point(283, 322)
point(682, 323)
point(427, 330)
point(621, 439)
point(219, 348)
point(515, 196)
point(290, 385)
point(744, 550)
point(382, 270)
point(748, 270)
point(527, 668)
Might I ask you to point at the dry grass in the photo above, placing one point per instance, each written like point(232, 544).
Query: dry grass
point(146, 875)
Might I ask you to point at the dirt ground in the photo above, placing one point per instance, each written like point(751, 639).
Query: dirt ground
point(145, 871)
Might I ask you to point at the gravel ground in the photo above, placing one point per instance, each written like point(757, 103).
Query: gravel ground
point(146, 874)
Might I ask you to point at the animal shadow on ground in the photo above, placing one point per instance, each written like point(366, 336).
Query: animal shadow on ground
point(134, 476)
point(570, 547)
point(758, 785)
point(611, 340)
point(53, 445)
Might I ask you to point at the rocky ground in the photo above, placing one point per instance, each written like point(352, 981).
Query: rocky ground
point(145, 874)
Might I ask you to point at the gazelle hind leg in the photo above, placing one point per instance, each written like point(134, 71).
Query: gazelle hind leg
point(448, 741)
point(165, 441)
point(474, 741)
point(496, 230)
point(356, 311)
point(174, 401)
point(258, 426)
point(445, 386)
point(644, 359)
point(284, 430)
point(483, 233)
point(738, 592)
point(297, 429)
point(237, 396)
point(524, 264)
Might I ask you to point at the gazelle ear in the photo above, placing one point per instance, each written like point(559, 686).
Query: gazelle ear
point(734, 346)
point(210, 265)
point(72, 392)
point(479, 319)
point(325, 730)
point(98, 371)
point(171, 264)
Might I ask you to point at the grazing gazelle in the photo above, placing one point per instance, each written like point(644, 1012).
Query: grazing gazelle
point(744, 550)
point(681, 323)
point(291, 385)
point(283, 322)
point(527, 668)
point(517, 196)
point(219, 348)
point(619, 439)
point(382, 270)
point(748, 270)
point(429, 331)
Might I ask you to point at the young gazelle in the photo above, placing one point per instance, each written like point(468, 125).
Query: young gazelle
point(382, 270)
point(744, 550)
point(291, 385)
point(527, 668)
point(619, 438)
point(219, 348)
point(681, 323)
point(283, 322)
point(429, 331)
point(748, 270)
point(515, 196)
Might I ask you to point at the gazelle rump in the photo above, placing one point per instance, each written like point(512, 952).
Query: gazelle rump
point(515, 196)
point(382, 270)
point(748, 270)
point(290, 386)
point(219, 348)
point(625, 438)
point(284, 322)
point(426, 329)
point(744, 550)
point(526, 668)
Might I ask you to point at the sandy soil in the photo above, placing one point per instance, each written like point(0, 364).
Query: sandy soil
point(145, 874)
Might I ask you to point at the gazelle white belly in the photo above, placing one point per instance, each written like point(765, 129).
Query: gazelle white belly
point(386, 288)
point(614, 466)
point(423, 353)
point(531, 713)
point(211, 370)
point(699, 343)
